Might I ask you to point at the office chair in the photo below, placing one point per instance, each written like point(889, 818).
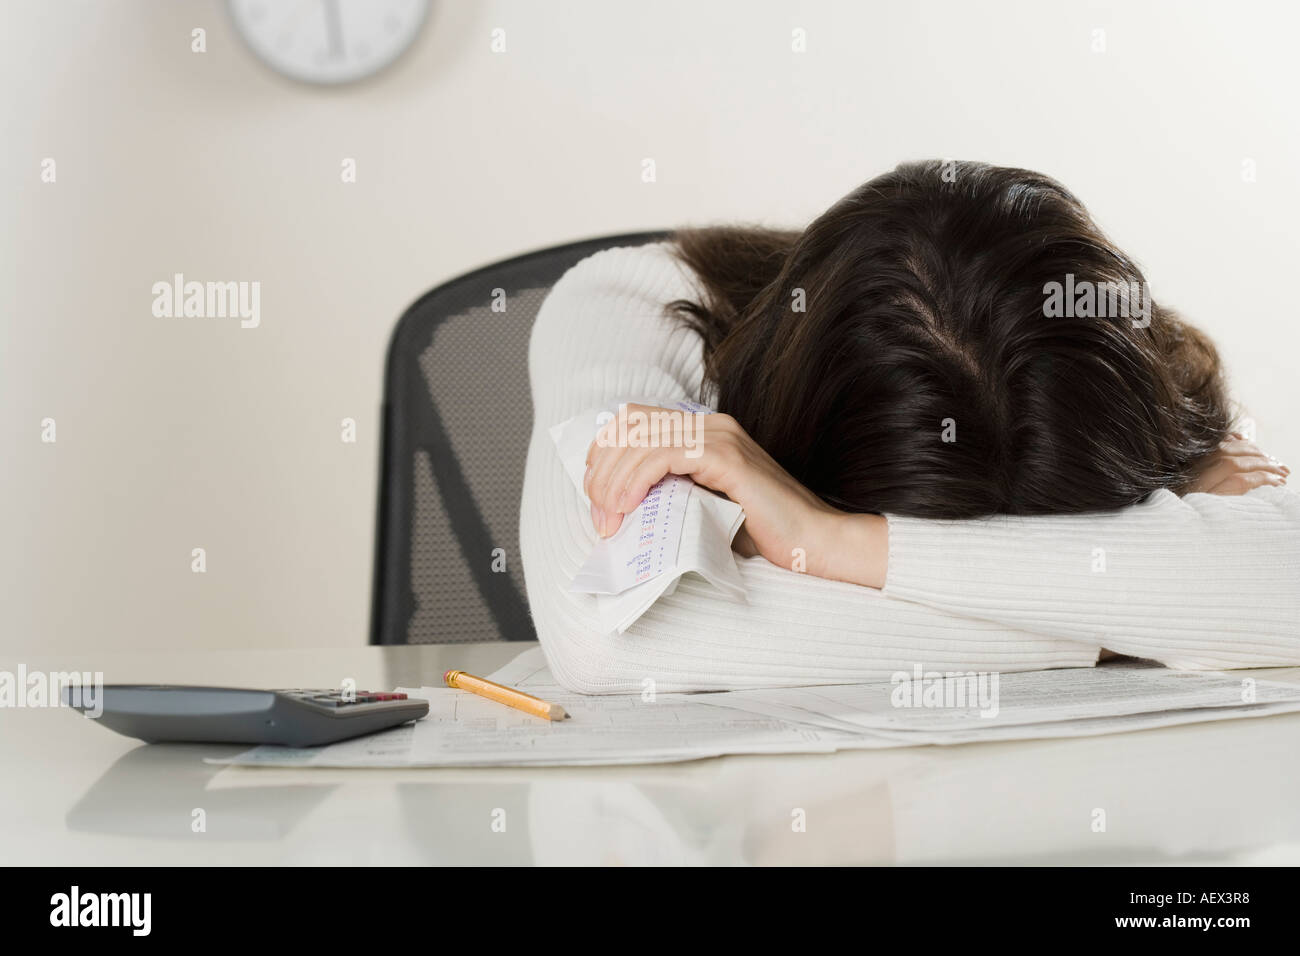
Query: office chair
point(457, 419)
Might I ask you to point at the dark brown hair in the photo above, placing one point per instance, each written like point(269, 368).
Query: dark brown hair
point(925, 375)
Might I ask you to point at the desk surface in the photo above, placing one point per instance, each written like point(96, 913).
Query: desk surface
point(72, 793)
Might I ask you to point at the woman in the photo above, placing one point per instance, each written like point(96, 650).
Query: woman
point(909, 359)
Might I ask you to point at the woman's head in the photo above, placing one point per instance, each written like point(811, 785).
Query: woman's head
point(954, 340)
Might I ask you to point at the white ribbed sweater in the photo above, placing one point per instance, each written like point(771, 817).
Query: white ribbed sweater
point(1201, 582)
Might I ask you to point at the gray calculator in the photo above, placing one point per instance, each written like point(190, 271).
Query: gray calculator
point(295, 718)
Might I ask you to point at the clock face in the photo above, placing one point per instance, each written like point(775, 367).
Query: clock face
point(328, 41)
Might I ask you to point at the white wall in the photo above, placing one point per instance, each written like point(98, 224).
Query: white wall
point(175, 434)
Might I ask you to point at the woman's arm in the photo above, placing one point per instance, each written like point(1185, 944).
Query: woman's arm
point(1200, 582)
point(602, 336)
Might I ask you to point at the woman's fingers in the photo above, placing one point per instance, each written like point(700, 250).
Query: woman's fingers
point(598, 457)
point(610, 495)
point(1238, 467)
point(602, 458)
point(642, 478)
point(1243, 481)
point(1251, 455)
point(1245, 462)
point(1264, 463)
point(639, 441)
point(605, 462)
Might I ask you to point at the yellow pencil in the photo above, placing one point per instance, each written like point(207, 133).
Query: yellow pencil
point(504, 695)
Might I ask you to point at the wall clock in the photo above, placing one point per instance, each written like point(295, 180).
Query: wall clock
point(328, 41)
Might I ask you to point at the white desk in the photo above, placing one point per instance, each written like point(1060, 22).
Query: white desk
point(73, 793)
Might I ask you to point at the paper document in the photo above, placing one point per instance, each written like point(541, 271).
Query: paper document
point(464, 730)
point(979, 703)
point(645, 545)
point(677, 529)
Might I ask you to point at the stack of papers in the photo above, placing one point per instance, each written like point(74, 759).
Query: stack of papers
point(464, 730)
point(1074, 702)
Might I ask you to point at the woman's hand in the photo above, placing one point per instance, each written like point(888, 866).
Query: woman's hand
point(1238, 467)
point(784, 522)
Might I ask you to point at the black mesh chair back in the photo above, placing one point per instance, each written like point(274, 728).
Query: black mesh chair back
point(457, 420)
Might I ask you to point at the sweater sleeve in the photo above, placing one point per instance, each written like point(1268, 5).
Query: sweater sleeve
point(602, 335)
point(1200, 582)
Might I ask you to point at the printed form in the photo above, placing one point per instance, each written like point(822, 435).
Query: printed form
point(464, 730)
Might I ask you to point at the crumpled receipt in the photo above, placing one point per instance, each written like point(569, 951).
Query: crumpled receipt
point(677, 529)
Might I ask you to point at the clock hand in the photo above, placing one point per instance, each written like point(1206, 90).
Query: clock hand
point(334, 26)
